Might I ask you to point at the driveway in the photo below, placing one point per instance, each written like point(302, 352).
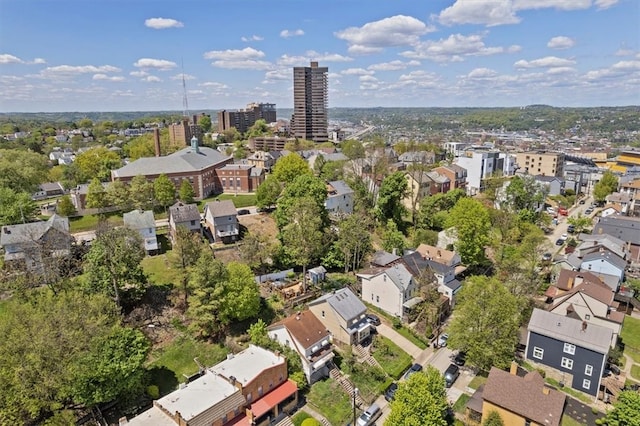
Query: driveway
point(399, 340)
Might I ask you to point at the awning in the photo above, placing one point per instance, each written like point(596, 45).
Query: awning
point(273, 398)
point(412, 302)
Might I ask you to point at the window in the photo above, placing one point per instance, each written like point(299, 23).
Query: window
point(567, 363)
point(249, 397)
point(322, 314)
point(569, 349)
point(588, 370)
point(260, 391)
point(377, 299)
point(372, 297)
point(587, 317)
point(538, 352)
point(586, 383)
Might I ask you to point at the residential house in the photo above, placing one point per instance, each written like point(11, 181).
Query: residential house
point(79, 195)
point(620, 201)
point(456, 174)
point(383, 259)
point(441, 275)
point(316, 275)
point(606, 265)
point(554, 184)
point(417, 157)
point(248, 388)
point(48, 190)
point(240, 178)
point(594, 243)
point(34, 244)
point(198, 165)
point(145, 224)
point(264, 159)
point(521, 400)
point(340, 198)
point(574, 350)
point(440, 255)
point(392, 289)
point(221, 218)
point(311, 340)
point(610, 210)
point(418, 186)
point(626, 229)
point(185, 215)
point(344, 315)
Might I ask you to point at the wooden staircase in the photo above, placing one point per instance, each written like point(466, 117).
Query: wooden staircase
point(346, 384)
point(363, 355)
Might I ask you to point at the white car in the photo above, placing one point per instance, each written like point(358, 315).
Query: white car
point(564, 236)
point(442, 340)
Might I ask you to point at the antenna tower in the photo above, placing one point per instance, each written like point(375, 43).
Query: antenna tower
point(185, 102)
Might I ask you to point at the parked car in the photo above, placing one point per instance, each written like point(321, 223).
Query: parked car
point(390, 392)
point(460, 358)
point(451, 374)
point(442, 340)
point(369, 416)
point(563, 211)
point(412, 370)
point(242, 212)
point(571, 229)
point(559, 242)
point(564, 236)
point(581, 201)
point(547, 257)
point(373, 319)
point(588, 211)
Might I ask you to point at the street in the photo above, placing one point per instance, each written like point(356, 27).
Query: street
point(561, 227)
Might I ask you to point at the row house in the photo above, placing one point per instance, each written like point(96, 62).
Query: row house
point(456, 174)
point(423, 184)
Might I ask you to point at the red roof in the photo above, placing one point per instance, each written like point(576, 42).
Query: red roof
point(273, 398)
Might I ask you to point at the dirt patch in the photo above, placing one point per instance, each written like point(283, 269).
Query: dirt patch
point(256, 224)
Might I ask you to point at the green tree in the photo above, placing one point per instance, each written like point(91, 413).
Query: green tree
point(268, 192)
point(353, 149)
point(22, 171)
point(241, 294)
point(141, 193)
point(97, 163)
point(258, 334)
point(65, 207)
point(354, 239)
point(164, 191)
point(186, 249)
point(16, 207)
point(524, 193)
point(186, 192)
point(112, 265)
point(257, 250)
point(580, 222)
point(205, 280)
point(303, 236)
point(493, 419)
point(392, 191)
point(393, 240)
point(304, 186)
point(97, 197)
point(486, 323)
point(472, 224)
point(420, 400)
point(259, 128)
point(289, 167)
point(118, 195)
point(204, 121)
point(85, 123)
point(626, 410)
point(605, 186)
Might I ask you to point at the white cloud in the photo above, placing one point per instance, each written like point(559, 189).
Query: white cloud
point(481, 73)
point(393, 65)
point(5, 58)
point(105, 77)
point(293, 61)
point(162, 23)
point(291, 33)
point(282, 74)
point(213, 85)
point(159, 64)
point(556, 4)
point(38, 61)
point(242, 64)
point(234, 54)
point(327, 57)
point(399, 30)
point(626, 66)
point(625, 52)
point(138, 73)
point(605, 4)
point(454, 48)
point(356, 71)
point(81, 69)
point(252, 38)
point(180, 76)
point(561, 42)
point(151, 79)
point(561, 70)
point(546, 62)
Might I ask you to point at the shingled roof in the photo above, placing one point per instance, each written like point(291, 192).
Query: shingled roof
point(305, 327)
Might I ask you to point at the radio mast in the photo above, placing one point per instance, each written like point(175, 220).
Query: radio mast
point(185, 101)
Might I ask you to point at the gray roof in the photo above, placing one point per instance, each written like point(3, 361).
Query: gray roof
point(184, 212)
point(344, 303)
point(572, 260)
point(247, 364)
point(399, 275)
point(341, 187)
point(607, 255)
point(138, 219)
point(383, 258)
point(335, 156)
point(220, 208)
point(437, 177)
point(183, 161)
point(547, 179)
point(31, 232)
point(570, 330)
point(625, 228)
point(51, 186)
point(256, 171)
point(454, 285)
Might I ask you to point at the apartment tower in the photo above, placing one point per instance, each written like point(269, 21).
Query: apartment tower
point(243, 119)
point(309, 119)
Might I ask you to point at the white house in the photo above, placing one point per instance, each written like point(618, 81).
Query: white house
point(145, 224)
point(606, 265)
point(221, 217)
point(340, 198)
point(393, 289)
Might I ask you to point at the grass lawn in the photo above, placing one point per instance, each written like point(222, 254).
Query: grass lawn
point(159, 270)
point(574, 393)
point(90, 222)
point(458, 407)
point(568, 421)
point(411, 336)
point(331, 401)
point(480, 379)
point(299, 417)
point(240, 200)
point(635, 372)
point(170, 364)
point(631, 337)
point(393, 360)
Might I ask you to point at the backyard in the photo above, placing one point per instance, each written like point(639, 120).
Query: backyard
point(391, 358)
point(331, 401)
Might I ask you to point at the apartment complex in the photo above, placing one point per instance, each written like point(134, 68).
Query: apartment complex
point(181, 133)
point(243, 119)
point(483, 163)
point(541, 163)
point(310, 119)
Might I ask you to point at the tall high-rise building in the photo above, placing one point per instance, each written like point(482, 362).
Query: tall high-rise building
point(243, 119)
point(310, 119)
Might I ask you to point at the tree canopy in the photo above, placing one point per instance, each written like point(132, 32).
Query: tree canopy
point(164, 191)
point(289, 167)
point(305, 185)
point(16, 207)
point(605, 186)
point(472, 223)
point(22, 171)
point(97, 163)
point(626, 410)
point(392, 191)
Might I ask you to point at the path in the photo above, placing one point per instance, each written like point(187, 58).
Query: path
point(397, 338)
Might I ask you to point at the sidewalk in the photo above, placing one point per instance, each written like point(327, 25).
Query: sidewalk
point(399, 340)
point(313, 413)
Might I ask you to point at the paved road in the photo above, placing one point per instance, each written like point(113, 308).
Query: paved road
point(561, 227)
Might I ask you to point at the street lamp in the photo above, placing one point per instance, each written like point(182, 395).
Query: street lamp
point(355, 393)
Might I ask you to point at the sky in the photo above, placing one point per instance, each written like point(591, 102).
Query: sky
point(132, 55)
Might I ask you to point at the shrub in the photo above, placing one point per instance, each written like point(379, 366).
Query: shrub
point(310, 422)
point(153, 391)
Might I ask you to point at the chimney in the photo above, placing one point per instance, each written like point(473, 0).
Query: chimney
point(546, 390)
point(514, 368)
point(156, 141)
point(584, 326)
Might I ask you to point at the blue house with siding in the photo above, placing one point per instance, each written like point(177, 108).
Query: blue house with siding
point(576, 349)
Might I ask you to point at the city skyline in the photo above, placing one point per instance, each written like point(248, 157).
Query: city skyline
point(112, 55)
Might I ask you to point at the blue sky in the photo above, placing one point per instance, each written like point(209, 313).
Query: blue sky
point(127, 55)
